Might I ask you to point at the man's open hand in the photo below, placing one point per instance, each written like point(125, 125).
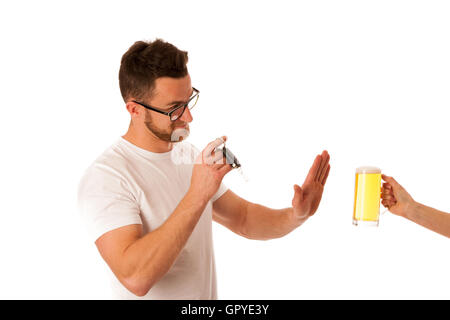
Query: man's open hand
point(307, 198)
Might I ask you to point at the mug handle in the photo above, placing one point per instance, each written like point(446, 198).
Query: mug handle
point(381, 197)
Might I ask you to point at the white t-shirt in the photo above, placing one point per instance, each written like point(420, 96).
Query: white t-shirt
point(130, 185)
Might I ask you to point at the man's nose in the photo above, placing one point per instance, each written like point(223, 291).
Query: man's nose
point(186, 116)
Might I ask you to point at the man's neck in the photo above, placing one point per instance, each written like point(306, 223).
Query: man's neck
point(147, 142)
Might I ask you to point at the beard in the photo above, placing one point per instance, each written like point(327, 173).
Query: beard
point(171, 134)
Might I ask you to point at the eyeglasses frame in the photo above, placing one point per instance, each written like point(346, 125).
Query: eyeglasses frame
point(169, 113)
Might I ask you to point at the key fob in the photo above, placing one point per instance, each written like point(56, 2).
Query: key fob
point(230, 158)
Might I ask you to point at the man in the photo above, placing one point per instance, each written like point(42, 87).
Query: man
point(400, 202)
point(149, 214)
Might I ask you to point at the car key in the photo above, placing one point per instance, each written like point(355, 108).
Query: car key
point(231, 159)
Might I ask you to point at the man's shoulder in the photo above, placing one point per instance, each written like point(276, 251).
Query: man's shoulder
point(110, 162)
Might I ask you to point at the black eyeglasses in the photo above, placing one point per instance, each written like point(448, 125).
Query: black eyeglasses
point(178, 110)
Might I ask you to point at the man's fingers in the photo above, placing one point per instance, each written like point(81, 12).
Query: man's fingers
point(325, 158)
point(212, 158)
point(218, 157)
point(389, 180)
point(387, 193)
point(325, 168)
point(387, 186)
point(212, 145)
point(314, 169)
point(225, 169)
point(388, 197)
point(389, 203)
point(324, 179)
point(319, 169)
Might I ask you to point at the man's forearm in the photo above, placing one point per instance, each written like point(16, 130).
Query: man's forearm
point(430, 218)
point(151, 256)
point(262, 223)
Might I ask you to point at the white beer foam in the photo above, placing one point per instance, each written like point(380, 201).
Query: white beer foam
point(368, 169)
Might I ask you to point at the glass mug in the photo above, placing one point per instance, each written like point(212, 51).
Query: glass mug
point(366, 210)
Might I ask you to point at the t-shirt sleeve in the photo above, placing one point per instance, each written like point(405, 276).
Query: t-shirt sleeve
point(105, 202)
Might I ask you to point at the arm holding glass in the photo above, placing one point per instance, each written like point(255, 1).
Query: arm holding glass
point(399, 202)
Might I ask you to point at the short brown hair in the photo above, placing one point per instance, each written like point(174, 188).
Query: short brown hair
point(144, 62)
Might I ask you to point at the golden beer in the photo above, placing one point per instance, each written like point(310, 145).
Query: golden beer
point(366, 210)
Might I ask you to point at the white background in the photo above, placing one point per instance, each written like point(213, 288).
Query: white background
point(367, 80)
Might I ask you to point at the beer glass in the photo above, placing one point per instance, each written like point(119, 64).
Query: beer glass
point(366, 210)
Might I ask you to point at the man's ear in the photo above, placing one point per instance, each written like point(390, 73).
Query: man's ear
point(133, 108)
